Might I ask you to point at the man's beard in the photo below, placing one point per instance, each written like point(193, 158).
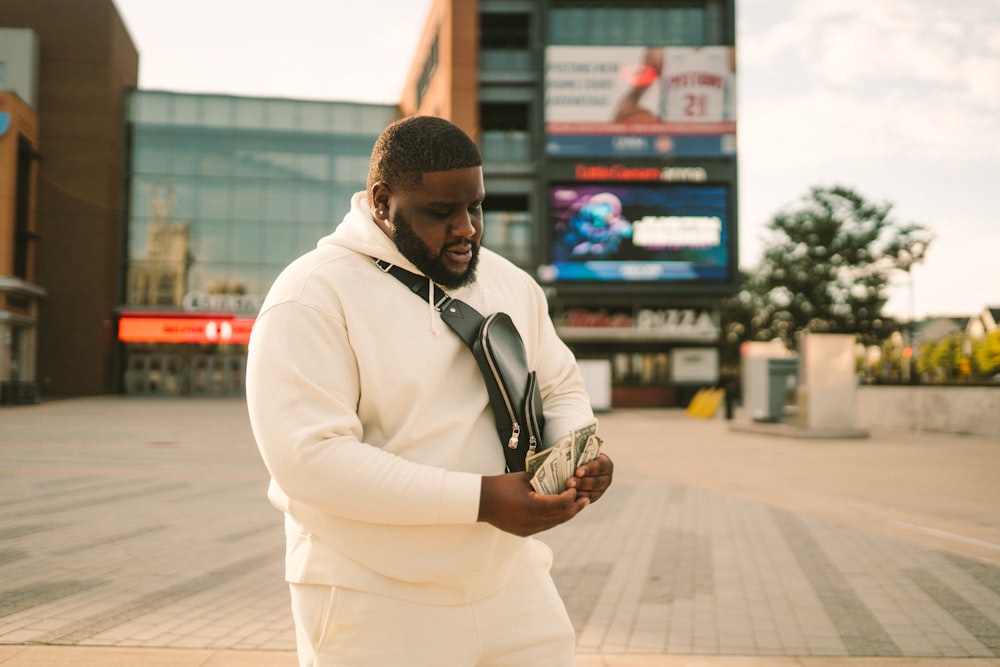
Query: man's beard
point(432, 266)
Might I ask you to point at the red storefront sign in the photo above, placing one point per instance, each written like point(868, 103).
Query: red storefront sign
point(183, 328)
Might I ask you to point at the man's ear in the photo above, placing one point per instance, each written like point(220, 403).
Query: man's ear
point(381, 198)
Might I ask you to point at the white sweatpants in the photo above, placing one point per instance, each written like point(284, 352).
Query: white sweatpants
point(524, 624)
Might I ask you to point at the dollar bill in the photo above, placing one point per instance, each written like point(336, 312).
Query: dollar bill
point(579, 437)
point(541, 481)
point(554, 478)
point(566, 469)
point(535, 460)
point(591, 450)
point(550, 469)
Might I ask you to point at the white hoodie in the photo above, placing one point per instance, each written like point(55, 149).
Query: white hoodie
point(374, 423)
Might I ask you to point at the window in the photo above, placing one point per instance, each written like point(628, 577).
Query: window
point(505, 136)
point(507, 228)
point(24, 238)
point(430, 66)
point(225, 189)
point(503, 117)
point(642, 24)
point(504, 31)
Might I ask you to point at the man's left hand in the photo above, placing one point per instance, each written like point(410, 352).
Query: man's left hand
point(591, 480)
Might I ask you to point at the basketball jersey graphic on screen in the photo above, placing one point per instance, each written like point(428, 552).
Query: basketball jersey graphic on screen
point(696, 85)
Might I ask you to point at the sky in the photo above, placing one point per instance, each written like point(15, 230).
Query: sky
point(899, 101)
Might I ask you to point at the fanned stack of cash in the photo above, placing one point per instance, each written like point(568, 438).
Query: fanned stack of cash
point(552, 467)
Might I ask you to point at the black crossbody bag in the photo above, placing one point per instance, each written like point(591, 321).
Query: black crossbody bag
point(499, 351)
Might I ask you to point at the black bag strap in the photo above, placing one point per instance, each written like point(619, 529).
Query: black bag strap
point(463, 319)
point(467, 323)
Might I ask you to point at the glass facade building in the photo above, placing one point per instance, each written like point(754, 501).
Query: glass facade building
point(223, 192)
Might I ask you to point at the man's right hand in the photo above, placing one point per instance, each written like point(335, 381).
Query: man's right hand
point(509, 503)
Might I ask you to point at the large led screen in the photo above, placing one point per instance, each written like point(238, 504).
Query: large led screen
point(639, 233)
point(619, 101)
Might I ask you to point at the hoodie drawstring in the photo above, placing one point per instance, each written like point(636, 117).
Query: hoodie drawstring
point(430, 306)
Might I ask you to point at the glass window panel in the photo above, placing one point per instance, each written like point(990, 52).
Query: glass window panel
point(632, 26)
point(350, 168)
point(313, 117)
point(279, 243)
point(200, 274)
point(345, 119)
point(520, 236)
point(315, 166)
point(140, 195)
point(308, 235)
point(340, 198)
point(151, 153)
point(279, 202)
point(155, 196)
point(210, 241)
point(221, 278)
point(179, 195)
point(217, 111)
point(493, 231)
point(247, 160)
point(247, 242)
point(282, 163)
point(249, 113)
point(137, 232)
point(371, 123)
point(265, 276)
point(187, 109)
point(696, 29)
point(247, 199)
point(213, 200)
point(244, 279)
point(283, 114)
point(509, 234)
point(151, 107)
point(313, 203)
point(215, 155)
point(636, 30)
point(185, 152)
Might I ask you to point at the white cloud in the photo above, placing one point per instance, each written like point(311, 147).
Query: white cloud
point(939, 287)
point(311, 49)
point(820, 126)
point(919, 79)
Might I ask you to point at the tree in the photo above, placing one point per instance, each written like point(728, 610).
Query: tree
point(827, 266)
point(945, 357)
point(986, 353)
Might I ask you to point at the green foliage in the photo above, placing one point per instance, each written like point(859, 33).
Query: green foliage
point(959, 358)
point(986, 354)
point(925, 360)
point(945, 357)
point(826, 268)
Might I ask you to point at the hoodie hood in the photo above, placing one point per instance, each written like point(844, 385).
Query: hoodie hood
point(359, 232)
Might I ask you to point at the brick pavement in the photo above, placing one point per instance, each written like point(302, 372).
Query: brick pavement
point(135, 531)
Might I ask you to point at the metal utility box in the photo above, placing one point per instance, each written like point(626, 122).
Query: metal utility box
point(768, 385)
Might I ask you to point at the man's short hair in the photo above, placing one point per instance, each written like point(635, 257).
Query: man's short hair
point(413, 146)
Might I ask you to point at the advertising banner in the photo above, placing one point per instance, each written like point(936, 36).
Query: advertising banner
point(654, 233)
point(640, 101)
point(167, 327)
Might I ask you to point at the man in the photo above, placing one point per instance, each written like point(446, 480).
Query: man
point(407, 544)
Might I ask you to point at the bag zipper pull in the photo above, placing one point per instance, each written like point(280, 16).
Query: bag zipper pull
point(512, 443)
point(532, 445)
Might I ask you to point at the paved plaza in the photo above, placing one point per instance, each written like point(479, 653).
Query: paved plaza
point(135, 531)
